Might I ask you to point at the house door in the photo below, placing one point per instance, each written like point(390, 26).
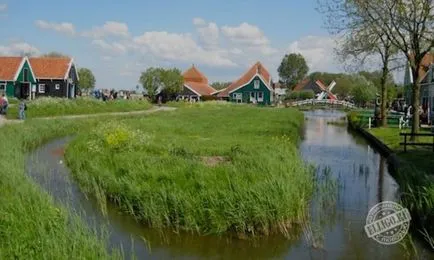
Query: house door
point(23, 90)
point(72, 91)
point(253, 97)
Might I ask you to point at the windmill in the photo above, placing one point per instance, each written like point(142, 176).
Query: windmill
point(326, 91)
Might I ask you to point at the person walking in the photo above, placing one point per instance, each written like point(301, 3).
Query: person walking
point(21, 110)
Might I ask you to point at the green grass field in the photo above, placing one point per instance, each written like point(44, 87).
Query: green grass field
point(48, 107)
point(31, 225)
point(415, 177)
point(210, 169)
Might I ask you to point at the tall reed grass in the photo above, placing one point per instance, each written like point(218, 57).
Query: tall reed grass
point(32, 226)
point(158, 169)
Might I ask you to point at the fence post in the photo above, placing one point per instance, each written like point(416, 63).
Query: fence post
point(405, 143)
point(369, 123)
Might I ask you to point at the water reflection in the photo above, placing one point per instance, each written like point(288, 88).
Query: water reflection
point(357, 174)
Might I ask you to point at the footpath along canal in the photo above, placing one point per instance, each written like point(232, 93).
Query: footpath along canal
point(352, 178)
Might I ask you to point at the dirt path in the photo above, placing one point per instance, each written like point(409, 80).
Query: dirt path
point(4, 121)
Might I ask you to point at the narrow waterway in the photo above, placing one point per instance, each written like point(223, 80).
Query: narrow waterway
point(336, 231)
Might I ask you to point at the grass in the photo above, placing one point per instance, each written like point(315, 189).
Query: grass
point(209, 170)
point(416, 178)
point(32, 226)
point(48, 107)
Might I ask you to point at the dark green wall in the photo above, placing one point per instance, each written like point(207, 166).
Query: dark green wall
point(245, 91)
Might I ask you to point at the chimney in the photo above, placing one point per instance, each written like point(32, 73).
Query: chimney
point(258, 70)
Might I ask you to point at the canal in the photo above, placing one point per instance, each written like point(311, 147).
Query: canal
point(352, 177)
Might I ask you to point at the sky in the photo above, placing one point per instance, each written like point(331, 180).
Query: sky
point(118, 40)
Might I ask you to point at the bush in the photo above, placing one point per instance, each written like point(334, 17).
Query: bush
point(300, 95)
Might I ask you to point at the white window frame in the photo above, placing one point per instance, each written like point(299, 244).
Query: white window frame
point(238, 97)
point(41, 90)
point(256, 84)
point(260, 96)
point(3, 88)
point(57, 86)
point(24, 74)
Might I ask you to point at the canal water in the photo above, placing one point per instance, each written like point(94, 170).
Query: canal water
point(352, 178)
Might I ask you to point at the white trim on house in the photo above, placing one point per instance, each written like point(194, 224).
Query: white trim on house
point(187, 86)
point(39, 88)
point(250, 81)
point(71, 63)
point(23, 61)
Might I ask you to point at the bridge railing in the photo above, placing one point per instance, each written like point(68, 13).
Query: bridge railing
point(324, 101)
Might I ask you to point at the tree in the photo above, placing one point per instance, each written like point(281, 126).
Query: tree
point(407, 25)
point(156, 80)
point(359, 41)
point(86, 79)
point(220, 85)
point(363, 90)
point(54, 54)
point(292, 69)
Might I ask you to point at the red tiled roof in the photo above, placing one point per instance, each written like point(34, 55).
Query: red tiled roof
point(425, 65)
point(201, 88)
point(50, 68)
point(9, 67)
point(246, 77)
point(194, 75)
point(198, 82)
point(301, 85)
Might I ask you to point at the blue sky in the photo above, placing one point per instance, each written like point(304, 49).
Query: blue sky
point(119, 39)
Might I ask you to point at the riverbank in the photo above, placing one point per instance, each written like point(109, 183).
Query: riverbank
point(52, 107)
point(209, 170)
point(31, 225)
point(413, 172)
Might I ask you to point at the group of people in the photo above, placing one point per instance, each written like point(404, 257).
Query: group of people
point(4, 105)
point(111, 96)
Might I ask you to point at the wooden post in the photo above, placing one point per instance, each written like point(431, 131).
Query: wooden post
point(369, 122)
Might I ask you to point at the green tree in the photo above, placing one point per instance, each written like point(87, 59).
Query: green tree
point(220, 85)
point(363, 90)
point(155, 80)
point(292, 69)
point(86, 80)
point(54, 54)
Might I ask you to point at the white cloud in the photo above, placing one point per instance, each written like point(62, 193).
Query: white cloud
point(110, 28)
point(179, 47)
point(318, 52)
point(66, 28)
point(3, 7)
point(113, 48)
point(199, 21)
point(18, 48)
point(208, 33)
point(245, 33)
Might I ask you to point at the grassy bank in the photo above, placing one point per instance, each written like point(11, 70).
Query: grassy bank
point(213, 169)
point(47, 107)
point(31, 225)
point(414, 175)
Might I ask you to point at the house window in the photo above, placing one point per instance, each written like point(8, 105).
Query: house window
point(260, 96)
point(57, 86)
point(256, 84)
point(2, 89)
point(26, 75)
point(238, 97)
point(41, 88)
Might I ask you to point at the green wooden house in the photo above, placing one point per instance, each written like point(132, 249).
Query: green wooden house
point(254, 86)
point(16, 77)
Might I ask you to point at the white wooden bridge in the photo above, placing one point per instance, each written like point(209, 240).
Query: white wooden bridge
point(328, 102)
